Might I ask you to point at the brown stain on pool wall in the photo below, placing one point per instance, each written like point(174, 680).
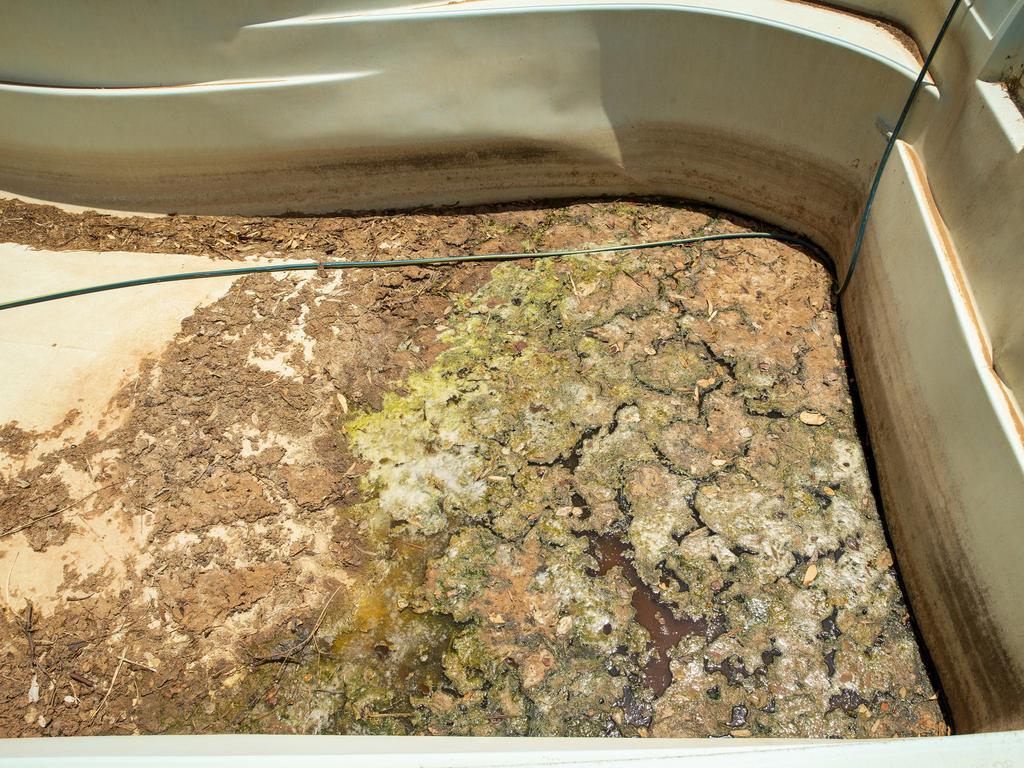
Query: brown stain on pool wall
point(928, 518)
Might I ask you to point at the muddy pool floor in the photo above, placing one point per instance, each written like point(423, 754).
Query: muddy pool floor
point(594, 496)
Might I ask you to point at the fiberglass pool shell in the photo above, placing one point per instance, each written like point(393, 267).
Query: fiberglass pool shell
point(333, 107)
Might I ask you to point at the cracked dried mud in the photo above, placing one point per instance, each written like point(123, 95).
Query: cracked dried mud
point(593, 496)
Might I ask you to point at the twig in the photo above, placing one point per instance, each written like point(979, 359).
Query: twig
point(27, 629)
point(7, 586)
point(136, 664)
point(34, 520)
point(83, 680)
point(113, 679)
point(77, 598)
point(94, 638)
point(287, 654)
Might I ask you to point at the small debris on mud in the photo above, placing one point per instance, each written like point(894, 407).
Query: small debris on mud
point(812, 419)
point(617, 495)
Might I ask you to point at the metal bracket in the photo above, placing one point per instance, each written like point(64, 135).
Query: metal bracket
point(883, 127)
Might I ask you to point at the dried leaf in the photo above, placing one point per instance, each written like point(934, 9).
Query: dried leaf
point(812, 419)
point(564, 625)
point(810, 574)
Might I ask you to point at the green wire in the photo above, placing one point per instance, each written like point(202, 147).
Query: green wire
point(890, 144)
point(311, 265)
point(299, 266)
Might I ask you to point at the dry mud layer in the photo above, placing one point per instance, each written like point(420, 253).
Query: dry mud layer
point(597, 496)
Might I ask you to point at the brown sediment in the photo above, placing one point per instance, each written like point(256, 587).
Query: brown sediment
point(899, 32)
point(570, 497)
point(1014, 89)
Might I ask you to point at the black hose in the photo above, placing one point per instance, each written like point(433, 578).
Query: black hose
point(299, 266)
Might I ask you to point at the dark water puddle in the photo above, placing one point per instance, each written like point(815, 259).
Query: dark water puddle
point(657, 618)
